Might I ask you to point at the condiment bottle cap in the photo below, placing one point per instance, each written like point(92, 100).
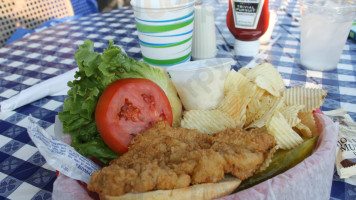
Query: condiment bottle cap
point(246, 48)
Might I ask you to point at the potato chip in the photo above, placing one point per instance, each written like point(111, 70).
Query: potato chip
point(252, 110)
point(311, 98)
point(308, 120)
point(267, 107)
point(267, 77)
point(285, 136)
point(207, 121)
point(290, 113)
point(268, 160)
point(304, 130)
point(244, 70)
point(235, 80)
point(235, 104)
point(238, 93)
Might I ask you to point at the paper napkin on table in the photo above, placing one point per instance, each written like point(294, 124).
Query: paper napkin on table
point(55, 85)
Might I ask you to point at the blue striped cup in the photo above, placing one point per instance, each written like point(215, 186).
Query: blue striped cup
point(165, 29)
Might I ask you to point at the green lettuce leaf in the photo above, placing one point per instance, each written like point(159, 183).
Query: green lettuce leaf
point(96, 72)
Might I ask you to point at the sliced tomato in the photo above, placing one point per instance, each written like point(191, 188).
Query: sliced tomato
point(127, 107)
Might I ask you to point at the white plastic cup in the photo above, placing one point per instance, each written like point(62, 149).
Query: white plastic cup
point(204, 38)
point(325, 26)
point(200, 84)
point(165, 30)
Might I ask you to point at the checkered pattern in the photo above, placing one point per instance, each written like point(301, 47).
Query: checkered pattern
point(45, 54)
point(23, 171)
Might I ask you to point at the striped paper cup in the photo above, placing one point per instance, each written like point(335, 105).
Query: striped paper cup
point(165, 30)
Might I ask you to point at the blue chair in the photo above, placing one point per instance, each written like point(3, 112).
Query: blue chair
point(84, 7)
point(21, 18)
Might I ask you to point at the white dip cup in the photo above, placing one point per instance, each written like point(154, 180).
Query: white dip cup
point(200, 84)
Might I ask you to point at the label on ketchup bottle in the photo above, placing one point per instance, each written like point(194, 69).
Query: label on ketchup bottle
point(246, 13)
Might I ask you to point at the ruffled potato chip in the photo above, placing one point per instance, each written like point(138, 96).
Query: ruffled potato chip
point(244, 70)
point(267, 77)
point(304, 130)
point(265, 110)
point(308, 120)
point(207, 121)
point(311, 98)
point(290, 113)
point(235, 80)
point(268, 159)
point(235, 104)
point(285, 136)
point(238, 93)
point(252, 110)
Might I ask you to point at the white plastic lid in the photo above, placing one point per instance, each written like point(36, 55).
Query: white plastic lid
point(246, 48)
point(199, 65)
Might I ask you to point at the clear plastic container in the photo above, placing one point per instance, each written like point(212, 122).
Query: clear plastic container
point(325, 26)
point(200, 84)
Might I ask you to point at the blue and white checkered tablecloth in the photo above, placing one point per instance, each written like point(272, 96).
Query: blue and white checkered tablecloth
point(24, 173)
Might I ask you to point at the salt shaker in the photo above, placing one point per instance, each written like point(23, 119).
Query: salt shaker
point(204, 38)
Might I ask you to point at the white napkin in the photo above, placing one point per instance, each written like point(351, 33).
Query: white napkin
point(52, 86)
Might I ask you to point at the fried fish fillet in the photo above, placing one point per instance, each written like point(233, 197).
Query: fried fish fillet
point(163, 158)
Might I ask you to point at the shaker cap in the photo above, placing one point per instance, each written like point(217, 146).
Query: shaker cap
point(246, 48)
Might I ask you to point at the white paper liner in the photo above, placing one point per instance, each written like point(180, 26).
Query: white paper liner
point(310, 179)
point(67, 188)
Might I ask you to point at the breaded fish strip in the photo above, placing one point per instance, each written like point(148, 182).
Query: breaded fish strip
point(167, 158)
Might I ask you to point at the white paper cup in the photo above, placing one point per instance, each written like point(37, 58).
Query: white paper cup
point(325, 26)
point(165, 30)
point(200, 84)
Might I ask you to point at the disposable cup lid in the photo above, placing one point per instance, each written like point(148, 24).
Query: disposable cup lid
point(331, 4)
point(201, 65)
point(155, 4)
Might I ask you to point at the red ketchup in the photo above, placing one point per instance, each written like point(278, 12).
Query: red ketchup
point(247, 20)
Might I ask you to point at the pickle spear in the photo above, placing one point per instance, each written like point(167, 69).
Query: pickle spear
point(281, 162)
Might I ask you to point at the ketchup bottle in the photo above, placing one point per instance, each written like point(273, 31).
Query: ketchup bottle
point(247, 20)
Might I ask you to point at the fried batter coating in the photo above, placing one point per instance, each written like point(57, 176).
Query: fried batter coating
point(163, 157)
